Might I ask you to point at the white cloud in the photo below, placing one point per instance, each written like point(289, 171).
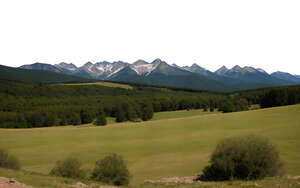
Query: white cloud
point(211, 33)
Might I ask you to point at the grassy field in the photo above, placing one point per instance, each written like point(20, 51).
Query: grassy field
point(155, 149)
point(180, 114)
point(170, 115)
point(106, 84)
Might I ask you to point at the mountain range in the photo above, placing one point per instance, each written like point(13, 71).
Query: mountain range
point(159, 72)
point(38, 76)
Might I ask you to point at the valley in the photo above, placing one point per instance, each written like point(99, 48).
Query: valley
point(173, 146)
point(174, 129)
point(150, 94)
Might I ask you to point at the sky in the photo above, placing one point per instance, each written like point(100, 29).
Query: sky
point(259, 33)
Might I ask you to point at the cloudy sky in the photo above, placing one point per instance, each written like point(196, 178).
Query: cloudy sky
point(211, 33)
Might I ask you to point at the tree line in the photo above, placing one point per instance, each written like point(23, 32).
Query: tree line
point(27, 105)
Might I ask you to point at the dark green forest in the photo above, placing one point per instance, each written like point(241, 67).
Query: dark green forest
point(27, 105)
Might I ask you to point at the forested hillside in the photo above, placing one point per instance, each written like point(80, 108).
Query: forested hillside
point(35, 105)
point(25, 104)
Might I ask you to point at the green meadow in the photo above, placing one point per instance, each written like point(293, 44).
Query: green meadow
point(171, 115)
point(180, 114)
point(106, 84)
point(175, 144)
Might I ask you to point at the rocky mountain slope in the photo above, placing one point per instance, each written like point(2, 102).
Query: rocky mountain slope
point(159, 72)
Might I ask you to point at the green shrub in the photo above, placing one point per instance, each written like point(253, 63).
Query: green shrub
point(227, 106)
point(120, 115)
point(112, 170)
point(100, 120)
point(70, 168)
point(248, 157)
point(8, 161)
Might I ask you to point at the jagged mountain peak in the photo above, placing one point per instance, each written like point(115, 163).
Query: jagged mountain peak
point(222, 70)
point(66, 65)
point(105, 69)
point(249, 69)
point(195, 68)
point(157, 61)
point(261, 70)
point(102, 63)
point(243, 70)
point(140, 62)
point(195, 65)
point(163, 68)
point(142, 67)
point(67, 68)
point(119, 62)
point(236, 68)
point(88, 64)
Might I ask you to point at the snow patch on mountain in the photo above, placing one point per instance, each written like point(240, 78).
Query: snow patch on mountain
point(261, 70)
point(143, 69)
point(114, 72)
point(248, 69)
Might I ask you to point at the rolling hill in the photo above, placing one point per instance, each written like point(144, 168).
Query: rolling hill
point(174, 146)
point(40, 76)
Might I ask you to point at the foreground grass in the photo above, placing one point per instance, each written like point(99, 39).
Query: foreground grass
point(156, 149)
point(106, 84)
point(276, 182)
point(45, 181)
point(36, 179)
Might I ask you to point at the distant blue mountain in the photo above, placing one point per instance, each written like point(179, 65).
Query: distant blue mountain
point(286, 76)
point(44, 75)
point(159, 72)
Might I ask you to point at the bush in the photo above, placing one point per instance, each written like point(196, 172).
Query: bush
point(8, 161)
point(120, 115)
point(249, 157)
point(241, 104)
point(101, 120)
point(70, 168)
point(86, 116)
point(147, 112)
point(112, 170)
point(227, 106)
